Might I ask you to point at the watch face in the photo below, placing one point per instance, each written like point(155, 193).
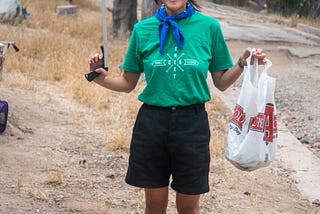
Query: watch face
point(240, 63)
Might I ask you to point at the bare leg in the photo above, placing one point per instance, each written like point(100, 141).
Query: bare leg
point(188, 204)
point(156, 200)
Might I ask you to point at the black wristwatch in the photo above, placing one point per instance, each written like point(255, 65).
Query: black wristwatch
point(240, 63)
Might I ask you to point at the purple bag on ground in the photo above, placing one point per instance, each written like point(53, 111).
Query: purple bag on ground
point(4, 107)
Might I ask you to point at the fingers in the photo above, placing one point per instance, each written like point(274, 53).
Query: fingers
point(102, 71)
point(258, 54)
point(247, 52)
point(95, 61)
point(103, 74)
point(95, 58)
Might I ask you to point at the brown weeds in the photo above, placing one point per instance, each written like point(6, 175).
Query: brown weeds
point(54, 177)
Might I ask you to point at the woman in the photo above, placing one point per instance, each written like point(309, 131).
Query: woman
point(175, 49)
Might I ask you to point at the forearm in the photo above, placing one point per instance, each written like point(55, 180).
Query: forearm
point(228, 77)
point(122, 83)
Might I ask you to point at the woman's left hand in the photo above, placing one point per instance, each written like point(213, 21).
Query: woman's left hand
point(258, 54)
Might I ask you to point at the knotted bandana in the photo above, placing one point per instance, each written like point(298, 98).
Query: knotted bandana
point(166, 20)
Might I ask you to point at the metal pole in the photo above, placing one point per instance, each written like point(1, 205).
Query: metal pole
point(105, 35)
point(93, 74)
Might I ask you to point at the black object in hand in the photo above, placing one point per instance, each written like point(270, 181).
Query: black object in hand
point(92, 74)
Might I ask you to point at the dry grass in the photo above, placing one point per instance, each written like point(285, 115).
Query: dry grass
point(56, 49)
point(54, 177)
point(219, 116)
point(294, 20)
point(19, 184)
point(312, 22)
point(39, 195)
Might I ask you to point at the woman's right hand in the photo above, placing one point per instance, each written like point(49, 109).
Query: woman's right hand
point(96, 64)
point(95, 61)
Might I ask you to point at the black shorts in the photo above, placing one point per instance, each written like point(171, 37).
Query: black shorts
point(170, 141)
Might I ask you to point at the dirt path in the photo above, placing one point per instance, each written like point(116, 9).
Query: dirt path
point(52, 160)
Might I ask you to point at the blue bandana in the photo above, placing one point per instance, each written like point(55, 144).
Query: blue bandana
point(171, 20)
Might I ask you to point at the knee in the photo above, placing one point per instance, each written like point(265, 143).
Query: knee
point(188, 210)
point(154, 207)
point(188, 204)
point(156, 200)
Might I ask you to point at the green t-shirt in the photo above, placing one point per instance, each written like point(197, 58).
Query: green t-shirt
point(177, 77)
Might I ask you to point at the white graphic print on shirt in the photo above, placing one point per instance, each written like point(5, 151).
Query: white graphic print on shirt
point(175, 63)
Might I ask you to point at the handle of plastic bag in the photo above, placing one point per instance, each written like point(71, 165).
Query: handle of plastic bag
point(250, 57)
point(268, 64)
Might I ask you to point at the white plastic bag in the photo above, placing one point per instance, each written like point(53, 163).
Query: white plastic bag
point(251, 142)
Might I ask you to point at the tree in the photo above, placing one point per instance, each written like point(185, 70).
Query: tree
point(303, 5)
point(148, 9)
point(124, 16)
point(234, 3)
point(303, 8)
point(314, 10)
